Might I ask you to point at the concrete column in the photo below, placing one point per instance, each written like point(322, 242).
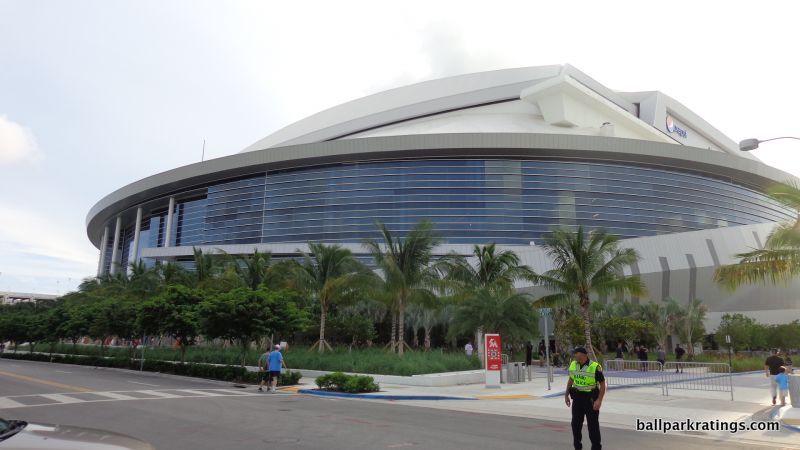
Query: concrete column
point(115, 249)
point(168, 227)
point(133, 257)
point(103, 243)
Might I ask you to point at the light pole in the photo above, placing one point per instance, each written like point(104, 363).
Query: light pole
point(752, 143)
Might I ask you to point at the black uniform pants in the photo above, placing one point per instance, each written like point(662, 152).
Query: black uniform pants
point(582, 406)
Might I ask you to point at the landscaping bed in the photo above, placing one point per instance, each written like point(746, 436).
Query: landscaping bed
point(374, 360)
point(198, 370)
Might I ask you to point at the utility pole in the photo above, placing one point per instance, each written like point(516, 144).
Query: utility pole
point(203, 156)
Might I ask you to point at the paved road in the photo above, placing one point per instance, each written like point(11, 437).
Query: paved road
point(176, 413)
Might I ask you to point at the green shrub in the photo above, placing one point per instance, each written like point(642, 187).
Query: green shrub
point(338, 381)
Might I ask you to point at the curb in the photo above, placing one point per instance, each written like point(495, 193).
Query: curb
point(774, 416)
point(379, 396)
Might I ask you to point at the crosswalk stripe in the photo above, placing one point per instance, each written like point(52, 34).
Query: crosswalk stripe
point(205, 393)
point(160, 394)
point(115, 395)
point(234, 391)
point(62, 398)
point(8, 403)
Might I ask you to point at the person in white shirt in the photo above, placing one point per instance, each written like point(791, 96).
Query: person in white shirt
point(468, 348)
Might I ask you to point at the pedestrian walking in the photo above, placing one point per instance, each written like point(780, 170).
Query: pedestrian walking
point(642, 358)
point(586, 388)
point(468, 349)
point(772, 366)
point(783, 384)
point(620, 351)
point(275, 363)
point(662, 358)
point(263, 370)
point(679, 352)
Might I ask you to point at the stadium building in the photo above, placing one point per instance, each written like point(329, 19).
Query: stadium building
point(502, 156)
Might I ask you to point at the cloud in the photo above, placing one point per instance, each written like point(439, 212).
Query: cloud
point(17, 143)
point(33, 244)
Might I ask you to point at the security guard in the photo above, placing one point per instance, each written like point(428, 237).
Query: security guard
point(586, 387)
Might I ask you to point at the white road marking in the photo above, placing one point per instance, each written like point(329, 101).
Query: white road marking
point(62, 371)
point(115, 395)
point(10, 402)
point(160, 394)
point(62, 398)
point(6, 403)
point(204, 393)
point(144, 384)
point(236, 392)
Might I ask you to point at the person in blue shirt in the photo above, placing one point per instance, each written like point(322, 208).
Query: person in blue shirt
point(275, 363)
point(783, 384)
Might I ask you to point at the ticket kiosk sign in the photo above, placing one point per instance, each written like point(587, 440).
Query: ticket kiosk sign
point(494, 359)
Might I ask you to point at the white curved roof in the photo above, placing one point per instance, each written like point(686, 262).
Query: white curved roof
point(556, 99)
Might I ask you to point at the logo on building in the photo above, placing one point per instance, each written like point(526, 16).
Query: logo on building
point(672, 128)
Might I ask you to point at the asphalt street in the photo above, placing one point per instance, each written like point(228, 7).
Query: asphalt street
point(183, 413)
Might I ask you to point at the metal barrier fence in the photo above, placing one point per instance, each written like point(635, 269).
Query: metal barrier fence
point(672, 375)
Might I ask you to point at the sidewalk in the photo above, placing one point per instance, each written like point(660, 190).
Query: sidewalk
point(621, 407)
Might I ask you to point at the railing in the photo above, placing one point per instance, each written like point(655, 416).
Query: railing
point(695, 376)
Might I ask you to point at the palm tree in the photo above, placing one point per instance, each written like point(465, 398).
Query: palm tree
point(407, 274)
point(205, 266)
point(255, 268)
point(492, 270)
point(586, 264)
point(779, 260)
point(331, 275)
point(503, 311)
point(689, 324)
point(665, 319)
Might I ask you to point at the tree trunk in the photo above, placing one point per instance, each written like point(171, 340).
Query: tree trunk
point(183, 351)
point(322, 316)
point(393, 340)
point(479, 344)
point(428, 338)
point(587, 327)
point(401, 327)
point(415, 339)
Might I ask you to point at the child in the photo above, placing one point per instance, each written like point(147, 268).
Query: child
point(783, 384)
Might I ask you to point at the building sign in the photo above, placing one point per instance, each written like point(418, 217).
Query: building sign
point(494, 353)
point(672, 128)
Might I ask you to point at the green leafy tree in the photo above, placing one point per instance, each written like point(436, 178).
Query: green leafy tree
point(627, 329)
point(407, 273)
point(784, 336)
point(241, 315)
point(174, 313)
point(585, 264)
point(745, 332)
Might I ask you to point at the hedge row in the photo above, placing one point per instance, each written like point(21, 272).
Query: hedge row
point(224, 373)
point(353, 384)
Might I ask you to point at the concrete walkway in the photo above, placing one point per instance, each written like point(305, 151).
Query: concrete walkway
point(621, 407)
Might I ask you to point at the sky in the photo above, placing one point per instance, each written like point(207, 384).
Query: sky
point(97, 94)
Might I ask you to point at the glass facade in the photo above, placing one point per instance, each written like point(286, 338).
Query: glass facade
point(470, 201)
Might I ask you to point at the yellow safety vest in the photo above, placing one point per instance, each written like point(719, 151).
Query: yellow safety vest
point(583, 377)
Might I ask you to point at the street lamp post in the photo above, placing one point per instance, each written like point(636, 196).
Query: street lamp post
point(752, 143)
